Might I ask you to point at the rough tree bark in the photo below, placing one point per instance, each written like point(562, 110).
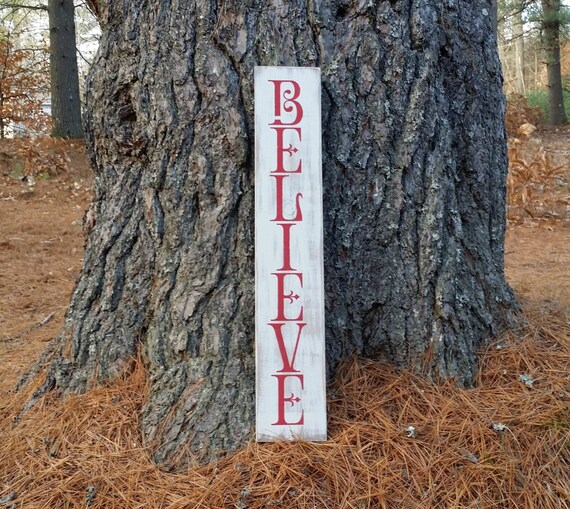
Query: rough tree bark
point(64, 76)
point(414, 176)
point(551, 39)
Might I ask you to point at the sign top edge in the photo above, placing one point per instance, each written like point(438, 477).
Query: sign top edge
point(286, 67)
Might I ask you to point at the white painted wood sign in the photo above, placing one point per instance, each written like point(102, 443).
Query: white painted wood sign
point(289, 283)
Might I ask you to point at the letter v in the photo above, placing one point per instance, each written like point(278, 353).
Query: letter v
point(288, 364)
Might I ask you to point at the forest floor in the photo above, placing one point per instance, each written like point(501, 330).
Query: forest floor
point(505, 443)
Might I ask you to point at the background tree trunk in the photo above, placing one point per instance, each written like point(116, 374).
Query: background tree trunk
point(518, 36)
point(414, 176)
point(65, 98)
point(551, 38)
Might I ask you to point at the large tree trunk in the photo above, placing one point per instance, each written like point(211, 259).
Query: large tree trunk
point(65, 99)
point(414, 177)
point(551, 38)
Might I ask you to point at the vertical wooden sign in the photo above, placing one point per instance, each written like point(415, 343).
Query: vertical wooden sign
point(289, 283)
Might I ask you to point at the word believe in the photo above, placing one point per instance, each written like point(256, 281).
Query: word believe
point(286, 99)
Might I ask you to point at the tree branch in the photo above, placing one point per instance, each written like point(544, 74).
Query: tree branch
point(23, 6)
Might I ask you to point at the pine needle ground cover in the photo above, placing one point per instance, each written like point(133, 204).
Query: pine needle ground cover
point(395, 441)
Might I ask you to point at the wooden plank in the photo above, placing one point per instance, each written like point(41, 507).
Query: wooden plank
point(289, 283)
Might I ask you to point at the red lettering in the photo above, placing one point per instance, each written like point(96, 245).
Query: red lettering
point(292, 400)
point(291, 297)
point(288, 113)
point(289, 103)
point(289, 150)
point(288, 364)
point(279, 192)
point(286, 246)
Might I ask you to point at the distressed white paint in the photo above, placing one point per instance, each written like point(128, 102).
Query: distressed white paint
point(275, 416)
